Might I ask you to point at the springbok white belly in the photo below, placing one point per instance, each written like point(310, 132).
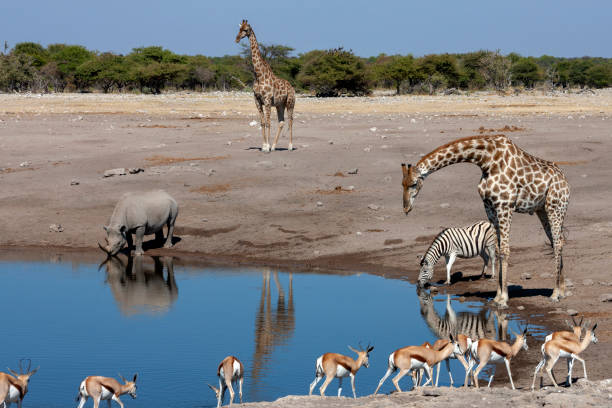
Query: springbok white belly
point(564, 354)
point(106, 394)
point(417, 364)
point(13, 394)
point(341, 371)
point(496, 358)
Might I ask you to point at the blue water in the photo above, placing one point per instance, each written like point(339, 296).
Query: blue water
point(76, 320)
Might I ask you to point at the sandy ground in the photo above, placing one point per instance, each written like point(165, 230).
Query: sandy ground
point(303, 209)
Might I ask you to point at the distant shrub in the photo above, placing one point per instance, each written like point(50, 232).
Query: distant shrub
point(334, 72)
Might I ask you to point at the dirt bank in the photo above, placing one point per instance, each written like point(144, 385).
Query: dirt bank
point(334, 203)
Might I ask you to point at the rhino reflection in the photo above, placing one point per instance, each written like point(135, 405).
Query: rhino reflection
point(474, 325)
point(273, 325)
point(139, 288)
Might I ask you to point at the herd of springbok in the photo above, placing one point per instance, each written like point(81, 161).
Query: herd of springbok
point(414, 360)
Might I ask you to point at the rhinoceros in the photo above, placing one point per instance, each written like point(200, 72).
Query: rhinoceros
point(141, 214)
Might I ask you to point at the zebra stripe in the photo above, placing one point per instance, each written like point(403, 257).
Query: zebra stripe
point(465, 242)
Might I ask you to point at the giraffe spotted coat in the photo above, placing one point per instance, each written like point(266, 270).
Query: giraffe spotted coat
point(512, 181)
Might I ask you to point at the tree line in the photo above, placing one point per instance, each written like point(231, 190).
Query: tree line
point(30, 67)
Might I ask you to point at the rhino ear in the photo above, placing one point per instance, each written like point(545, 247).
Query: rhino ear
point(105, 228)
point(123, 228)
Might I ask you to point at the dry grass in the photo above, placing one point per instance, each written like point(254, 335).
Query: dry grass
point(212, 189)
point(571, 163)
point(159, 160)
point(240, 104)
point(336, 190)
point(506, 129)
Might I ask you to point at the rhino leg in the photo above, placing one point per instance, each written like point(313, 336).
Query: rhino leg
point(138, 240)
point(170, 223)
point(128, 239)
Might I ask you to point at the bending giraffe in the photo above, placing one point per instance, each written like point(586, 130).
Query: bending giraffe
point(269, 91)
point(512, 181)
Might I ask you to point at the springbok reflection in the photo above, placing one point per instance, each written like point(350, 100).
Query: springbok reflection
point(138, 288)
point(273, 326)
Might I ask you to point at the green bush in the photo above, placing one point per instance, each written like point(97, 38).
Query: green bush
point(334, 72)
point(525, 71)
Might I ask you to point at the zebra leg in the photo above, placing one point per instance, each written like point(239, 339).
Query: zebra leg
point(450, 259)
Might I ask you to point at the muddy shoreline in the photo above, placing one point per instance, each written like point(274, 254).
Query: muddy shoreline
point(239, 206)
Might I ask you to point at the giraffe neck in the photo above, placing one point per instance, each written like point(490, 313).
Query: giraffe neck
point(260, 65)
point(476, 150)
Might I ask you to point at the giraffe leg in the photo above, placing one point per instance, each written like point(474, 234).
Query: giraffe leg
point(290, 106)
point(504, 216)
point(267, 112)
point(262, 121)
point(280, 112)
point(556, 217)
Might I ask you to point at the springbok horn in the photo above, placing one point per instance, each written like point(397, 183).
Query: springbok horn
point(29, 365)
point(574, 321)
point(581, 319)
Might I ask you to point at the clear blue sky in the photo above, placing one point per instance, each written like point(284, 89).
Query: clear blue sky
point(530, 27)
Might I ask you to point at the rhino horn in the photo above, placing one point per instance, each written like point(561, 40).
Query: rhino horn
point(105, 249)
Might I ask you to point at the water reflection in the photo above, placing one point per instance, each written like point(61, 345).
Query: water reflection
point(491, 325)
point(274, 326)
point(141, 287)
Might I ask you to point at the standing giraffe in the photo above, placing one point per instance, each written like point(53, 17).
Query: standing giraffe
point(269, 91)
point(512, 181)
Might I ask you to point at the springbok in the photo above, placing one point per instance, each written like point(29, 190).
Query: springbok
point(464, 343)
point(105, 388)
point(564, 348)
point(487, 350)
point(13, 388)
point(412, 358)
point(573, 335)
point(230, 371)
point(334, 365)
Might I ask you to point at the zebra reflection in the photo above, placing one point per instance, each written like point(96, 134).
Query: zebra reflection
point(491, 325)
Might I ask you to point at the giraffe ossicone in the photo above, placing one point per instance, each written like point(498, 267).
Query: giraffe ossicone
point(512, 181)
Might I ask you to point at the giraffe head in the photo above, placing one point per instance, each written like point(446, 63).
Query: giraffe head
point(245, 30)
point(412, 183)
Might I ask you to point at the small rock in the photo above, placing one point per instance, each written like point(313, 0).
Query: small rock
point(569, 283)
point(444, 205)
point(374, 207)
point(353, 171)
point(350, 188)
point(319, 204)
point(74, 182)
point(606, 297)
point(588, 282)
point(229, 143)
point(525, 276)
point(367, 149)
point(135, 170)
point(431, 393)
point(572, 312)
point(412, 120)
point(115, 172)
point(388, 179)
point(193, 164)
point(56, 228)
point(521, 307)
point(372, 129)
point(546, 275)
point(330, 142)
point(253, 123)
point(210, 172)
point(25, 164)
point(359, 233)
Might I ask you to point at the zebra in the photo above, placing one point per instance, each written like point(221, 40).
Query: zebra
point(478, 239)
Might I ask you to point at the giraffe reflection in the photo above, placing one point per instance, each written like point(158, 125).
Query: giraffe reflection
point(274, 325)
point(138, 288)
point(473, 325)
